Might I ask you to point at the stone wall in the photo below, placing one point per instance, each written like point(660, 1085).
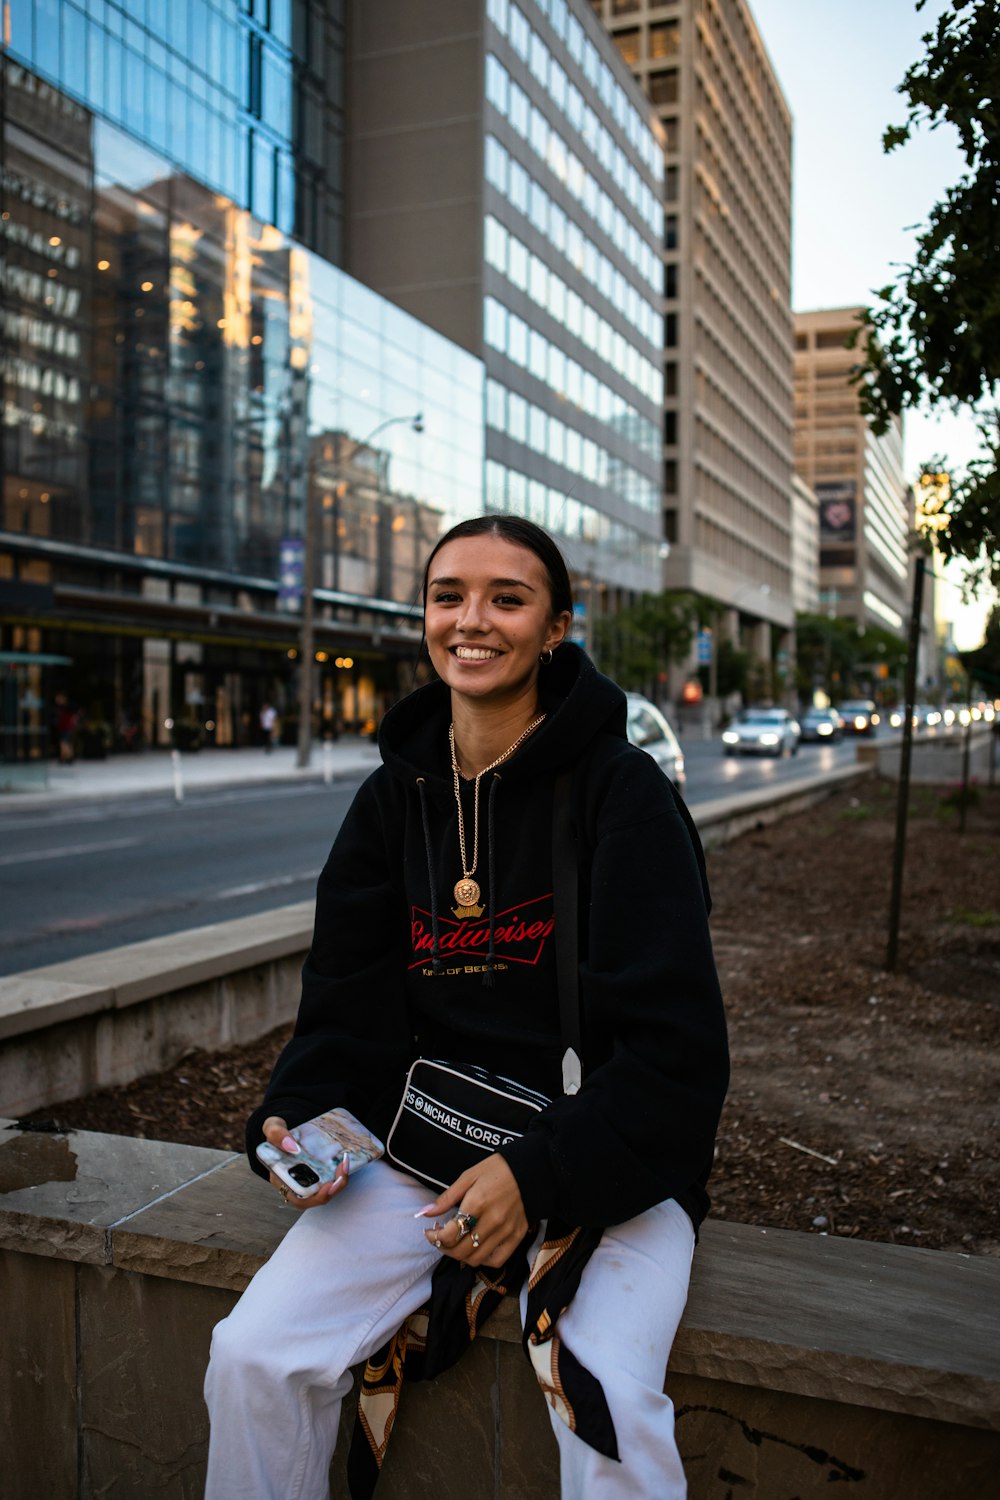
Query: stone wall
point(801, 1362)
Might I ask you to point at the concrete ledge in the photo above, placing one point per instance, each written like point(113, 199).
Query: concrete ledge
point(109, 1018)
point(800, 1360)
point(125, 976)
point(727, 818)
point(936, 757)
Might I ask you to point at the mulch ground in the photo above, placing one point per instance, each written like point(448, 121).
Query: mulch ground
point(863, 1103)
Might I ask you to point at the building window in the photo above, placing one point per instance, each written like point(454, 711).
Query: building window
point(663, 87)
point(670, 331)
point(670, 428)
point(624, 7)
point(671, 178)
point(670, 378)
point(628, 44)
point(671, 133)
point(670, 477)
point(802, 341)
point(834, 338)
point(670, 525)
point(670, 283)
point(664, 39)
point(670, 234)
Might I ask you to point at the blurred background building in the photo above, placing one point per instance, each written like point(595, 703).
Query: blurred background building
point(727, 422)
point(865, 505)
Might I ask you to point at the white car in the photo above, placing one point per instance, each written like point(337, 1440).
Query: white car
point(762, 731)
point(647, 728)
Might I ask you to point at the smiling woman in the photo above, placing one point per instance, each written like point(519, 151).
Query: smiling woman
point(490, 620)
point(435, 939)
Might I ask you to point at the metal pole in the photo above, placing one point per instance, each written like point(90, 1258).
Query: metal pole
point(903, 796)
point(306, 649)
point(966, 749)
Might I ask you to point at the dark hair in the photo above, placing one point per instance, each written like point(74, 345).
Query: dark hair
point(521, 533)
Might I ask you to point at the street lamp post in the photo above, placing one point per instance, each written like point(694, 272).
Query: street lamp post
point(308, 632)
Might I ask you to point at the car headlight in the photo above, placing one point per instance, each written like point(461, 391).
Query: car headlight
point(859, 722)
point(730, 737)
point(895, 720)
point(770, 739)
point(875, 719)
point(824, 728)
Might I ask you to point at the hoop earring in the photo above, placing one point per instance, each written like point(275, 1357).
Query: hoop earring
point(545, 657)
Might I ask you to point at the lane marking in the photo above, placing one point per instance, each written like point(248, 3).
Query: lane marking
point(67, 850)
point(260, 885)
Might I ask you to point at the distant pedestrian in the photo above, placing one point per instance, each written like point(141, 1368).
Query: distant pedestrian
point(269, 726)
point(67, 720)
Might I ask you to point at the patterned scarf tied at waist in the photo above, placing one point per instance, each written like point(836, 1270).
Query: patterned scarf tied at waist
point(436, 1335)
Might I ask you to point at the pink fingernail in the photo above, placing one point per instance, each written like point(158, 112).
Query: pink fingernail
point(291, 1145)
point(422, 1213)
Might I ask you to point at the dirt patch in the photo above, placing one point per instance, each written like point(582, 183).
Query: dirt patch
point(863, 1103)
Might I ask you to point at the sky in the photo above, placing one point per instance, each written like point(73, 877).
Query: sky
point(855, 210)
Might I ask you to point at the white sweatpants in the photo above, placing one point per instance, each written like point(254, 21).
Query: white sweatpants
point(347, 1275)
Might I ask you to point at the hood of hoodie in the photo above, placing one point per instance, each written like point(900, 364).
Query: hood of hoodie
point(580, 704)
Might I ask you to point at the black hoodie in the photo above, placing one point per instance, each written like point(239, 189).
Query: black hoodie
point(396, 972)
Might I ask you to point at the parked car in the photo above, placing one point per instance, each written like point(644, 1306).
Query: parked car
point(821, 725)
point(762, 731)
point(647, 728)
point(860, 716)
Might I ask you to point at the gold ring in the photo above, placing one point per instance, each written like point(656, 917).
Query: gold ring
point(466, 1223)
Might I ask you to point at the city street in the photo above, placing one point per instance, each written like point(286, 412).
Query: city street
point(78, 879)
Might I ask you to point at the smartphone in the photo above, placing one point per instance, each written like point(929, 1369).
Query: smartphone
point(325, 1142)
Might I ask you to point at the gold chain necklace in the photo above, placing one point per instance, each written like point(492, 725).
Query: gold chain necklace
point(467, 890)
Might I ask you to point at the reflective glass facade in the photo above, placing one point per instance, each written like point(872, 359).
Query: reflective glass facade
point(245, 95)
point(180, 379)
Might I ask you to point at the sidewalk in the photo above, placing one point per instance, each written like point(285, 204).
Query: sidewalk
point(153, 771)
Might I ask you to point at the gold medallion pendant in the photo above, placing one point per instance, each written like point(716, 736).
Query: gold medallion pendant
point(467, 891)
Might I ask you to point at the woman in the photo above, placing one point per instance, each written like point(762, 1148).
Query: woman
point(400, 968)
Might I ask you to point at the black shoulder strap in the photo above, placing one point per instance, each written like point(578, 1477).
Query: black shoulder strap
point(566, 903)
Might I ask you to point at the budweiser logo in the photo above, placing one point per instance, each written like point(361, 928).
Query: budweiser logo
point(519, 933)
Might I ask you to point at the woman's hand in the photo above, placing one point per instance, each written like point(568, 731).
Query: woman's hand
point(489, 1194)
point(276, 1131)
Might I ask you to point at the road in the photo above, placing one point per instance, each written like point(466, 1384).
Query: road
point(80, 879)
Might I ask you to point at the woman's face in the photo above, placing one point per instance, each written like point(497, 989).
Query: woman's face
point(488, 617)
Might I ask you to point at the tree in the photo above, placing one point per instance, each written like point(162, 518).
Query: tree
point(837, 656)
point(983, 664)
point(934, 333)
point(638, 643)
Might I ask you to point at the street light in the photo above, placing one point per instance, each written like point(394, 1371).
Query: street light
point(416, 422)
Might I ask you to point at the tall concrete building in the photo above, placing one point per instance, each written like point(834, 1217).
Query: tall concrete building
point(865, 506)
point(727, 423)
point(805, 549)
point(504, 184)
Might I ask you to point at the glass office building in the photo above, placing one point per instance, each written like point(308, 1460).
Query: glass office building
point(245, 95)
point(181, 381)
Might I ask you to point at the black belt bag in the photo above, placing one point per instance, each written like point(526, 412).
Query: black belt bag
point(453, 1115)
